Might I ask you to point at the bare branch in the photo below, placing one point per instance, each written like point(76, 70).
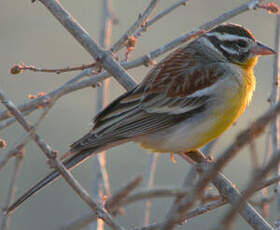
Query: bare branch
point(118, 45)
point(12, 187)
point(19, 68)
point(251, 187)
point(148, 183)
point(275, 99)
point(116, 199)
point(160, 15)
point(141, 20)
point(59, 166)
point(101, 185)
point(252, 4)
point(125, 199)
point(11, 153)
point(65, 89)
point(267, 154)
point(81, 35)
point(24, 140)
point(111, 205)
point(226, 189)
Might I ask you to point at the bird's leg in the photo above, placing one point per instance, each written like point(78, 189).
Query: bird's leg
point(172, 158)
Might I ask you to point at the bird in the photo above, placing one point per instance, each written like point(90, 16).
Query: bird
point(186, 100)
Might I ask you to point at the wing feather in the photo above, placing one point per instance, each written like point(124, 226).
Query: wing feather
point(165, 98)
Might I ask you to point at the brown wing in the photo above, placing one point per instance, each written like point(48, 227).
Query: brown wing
point(182, 73)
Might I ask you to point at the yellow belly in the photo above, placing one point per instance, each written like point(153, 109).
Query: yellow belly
point(224, 119)
point(229, 114)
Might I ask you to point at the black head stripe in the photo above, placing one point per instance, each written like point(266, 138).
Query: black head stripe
point(229, 44)
point(235, 50)
point(234, 30)
point(216, 42)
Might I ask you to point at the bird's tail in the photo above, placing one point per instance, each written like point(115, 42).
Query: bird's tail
point(74, 161)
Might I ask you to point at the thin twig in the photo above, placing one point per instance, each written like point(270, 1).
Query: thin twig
point(111, 205)
point(226, 189)
point(116, 199)
point(192, 174)
point(157, 193)
point(251, 187)
point(59, 166)
point(16, 69)
point(160, 15)
point(143, 27)
point(148, 183)
point(254, 155)
point(101, 185)
point(22, 141)
point(141, 20)
point(50, 98)
point(12, 187)
point(252, 4)
point(11, 120)
point(267, 154)
point(122, 199)
point(118, 45)
point(81, 35)
point(11, 153)
point(275, 123)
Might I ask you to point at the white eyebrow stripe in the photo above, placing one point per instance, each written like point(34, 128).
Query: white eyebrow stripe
point(228, 37)
point(229, 50)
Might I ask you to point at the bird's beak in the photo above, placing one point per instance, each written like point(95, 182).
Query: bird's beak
point(261, 49)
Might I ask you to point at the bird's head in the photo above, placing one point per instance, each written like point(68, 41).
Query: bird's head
point(236, 44)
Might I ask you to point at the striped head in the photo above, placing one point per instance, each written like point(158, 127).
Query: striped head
point(236, 43)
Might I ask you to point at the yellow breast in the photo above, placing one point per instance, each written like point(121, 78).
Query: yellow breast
point(235, 105)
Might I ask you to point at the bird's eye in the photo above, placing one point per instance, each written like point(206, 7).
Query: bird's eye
point(241, 43)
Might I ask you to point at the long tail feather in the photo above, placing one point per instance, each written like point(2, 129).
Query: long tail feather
point(74, 161)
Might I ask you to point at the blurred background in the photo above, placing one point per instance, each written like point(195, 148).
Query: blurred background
point(31, 35)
